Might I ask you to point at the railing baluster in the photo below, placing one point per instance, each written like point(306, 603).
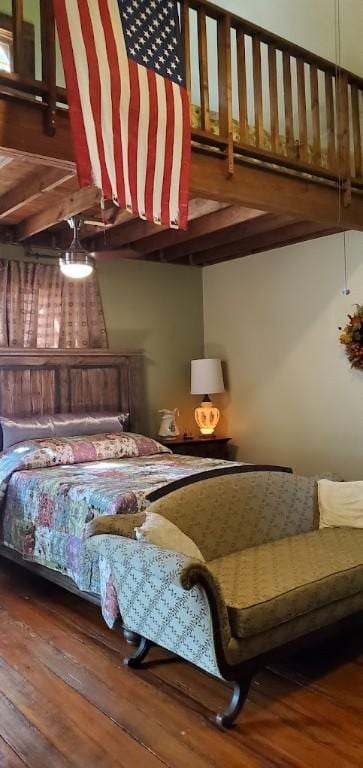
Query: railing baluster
point(357, 138)
point(18, 48)
point(315, 113)
point(303, 125)
point(343, 124)
point(330, 120)
point(257, 90)
point(225, 86)
point(242, 88)
point(289, 120)
point(49, 63)
point(274, 102)
point(185, 28)
point(203, 69)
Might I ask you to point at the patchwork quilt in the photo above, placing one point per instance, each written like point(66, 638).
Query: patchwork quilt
point(51, 489)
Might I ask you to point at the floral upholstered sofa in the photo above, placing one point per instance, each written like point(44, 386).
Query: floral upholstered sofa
point(269, 575)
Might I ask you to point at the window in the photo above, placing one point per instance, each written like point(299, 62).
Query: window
point(5, 55)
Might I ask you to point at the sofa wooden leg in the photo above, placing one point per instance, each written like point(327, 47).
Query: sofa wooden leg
point(138, 657)
point(131, 637)
point(239, 696)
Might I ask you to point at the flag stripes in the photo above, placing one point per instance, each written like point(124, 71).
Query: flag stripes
point(130, 122)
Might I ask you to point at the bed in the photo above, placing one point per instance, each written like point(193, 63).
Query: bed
point(52, 487)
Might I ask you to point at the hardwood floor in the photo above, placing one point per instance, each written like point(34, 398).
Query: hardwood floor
point(67, 701)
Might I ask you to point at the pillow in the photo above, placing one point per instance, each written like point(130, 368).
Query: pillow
point(340, 504)
point(16, 430)
point(116, 525)
point(73, 424)
point(158, 530)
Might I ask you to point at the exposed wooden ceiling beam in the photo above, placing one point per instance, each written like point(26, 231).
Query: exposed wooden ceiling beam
point(200, 207)
point(279, 237)
point(136, 229)
point(80, 201)
point(262, 223)
point(123, 253)
point(271, 190)
point(31, 187)
point(199, 228)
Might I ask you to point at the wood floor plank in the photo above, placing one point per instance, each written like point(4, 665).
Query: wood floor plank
point(61, 670)
point(87, 736)
point(142, 708)
point(27, 741)
point(9, 758)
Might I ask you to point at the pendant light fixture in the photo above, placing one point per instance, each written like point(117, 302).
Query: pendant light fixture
point(76, 263)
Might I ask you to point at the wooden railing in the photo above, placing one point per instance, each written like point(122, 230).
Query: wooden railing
point(257, 97)
point(276, 101)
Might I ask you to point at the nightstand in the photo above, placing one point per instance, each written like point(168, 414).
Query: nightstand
point(206, 447)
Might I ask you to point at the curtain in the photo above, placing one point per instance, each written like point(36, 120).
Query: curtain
point(39, 307)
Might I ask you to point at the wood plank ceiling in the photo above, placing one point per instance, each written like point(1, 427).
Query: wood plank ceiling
point(36, 201)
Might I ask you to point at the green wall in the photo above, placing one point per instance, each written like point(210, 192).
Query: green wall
point(157, 308)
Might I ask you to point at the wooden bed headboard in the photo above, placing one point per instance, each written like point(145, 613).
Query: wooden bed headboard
point(42, 381)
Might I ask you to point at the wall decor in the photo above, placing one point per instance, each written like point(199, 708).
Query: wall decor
point(352, 337)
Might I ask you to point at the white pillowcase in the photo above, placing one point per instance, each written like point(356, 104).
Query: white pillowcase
point(340, 504)
point(158, 530)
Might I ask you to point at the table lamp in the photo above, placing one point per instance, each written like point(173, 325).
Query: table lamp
point(206, 379)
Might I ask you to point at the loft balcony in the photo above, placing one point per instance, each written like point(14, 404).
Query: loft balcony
point(276, 143)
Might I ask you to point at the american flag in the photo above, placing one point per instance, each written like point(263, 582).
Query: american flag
point(125, 76)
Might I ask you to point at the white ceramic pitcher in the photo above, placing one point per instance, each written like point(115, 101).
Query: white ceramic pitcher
point(168, 427)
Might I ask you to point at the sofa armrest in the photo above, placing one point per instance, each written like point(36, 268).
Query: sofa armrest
point(165, 596)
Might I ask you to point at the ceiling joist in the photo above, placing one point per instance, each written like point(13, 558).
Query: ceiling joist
point(31, 187)
point(199, 228)
point(272, 238)
point(80, 201)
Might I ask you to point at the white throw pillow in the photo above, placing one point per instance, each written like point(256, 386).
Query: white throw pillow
point(158, 530)
point(340, 504)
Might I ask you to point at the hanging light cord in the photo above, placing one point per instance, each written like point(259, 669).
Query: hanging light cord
point(338, 75)
point(346, 290)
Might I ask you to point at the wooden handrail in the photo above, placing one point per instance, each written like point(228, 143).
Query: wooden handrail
point(267, 37)
point(308, 123)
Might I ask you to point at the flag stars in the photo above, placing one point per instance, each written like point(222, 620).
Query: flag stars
point(151, 31)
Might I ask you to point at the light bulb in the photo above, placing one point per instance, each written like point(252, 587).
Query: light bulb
point(75, 270)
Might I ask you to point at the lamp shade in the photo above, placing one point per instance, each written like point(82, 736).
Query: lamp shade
point(207, 377)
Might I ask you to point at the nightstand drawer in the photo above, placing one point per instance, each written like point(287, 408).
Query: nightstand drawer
point(209, 448)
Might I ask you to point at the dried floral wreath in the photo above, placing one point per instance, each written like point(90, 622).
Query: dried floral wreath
point(352, 338)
